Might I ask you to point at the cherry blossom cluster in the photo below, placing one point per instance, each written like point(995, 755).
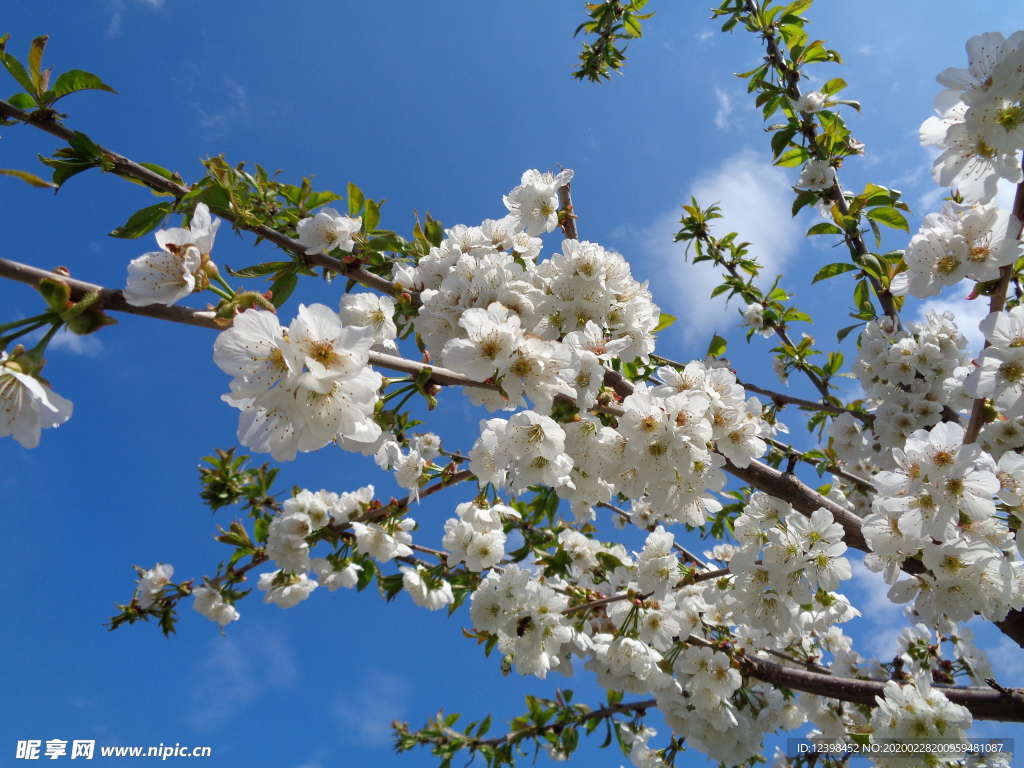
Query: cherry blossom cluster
point(999, 374)
point(539, 329)
point(476, 535)
point(302, 387)
point(409, 465)
point(939, 505)
point(917, 713)
point(979, 126)
point(961, 241)
point(660, 450)
point(787, 562)
point(301, 516)
point(907, 375)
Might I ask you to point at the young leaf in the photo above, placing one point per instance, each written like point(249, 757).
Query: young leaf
point(355, 199)
point(831, 270)
point(142, 221)
point(282, 288)
point(717, 346)
point(664, 321)
point(372, 216)
point(78, 80)
point(824, 228)
point(890, 217)
point(35, 62)
point(842, 333)
point(28, 178)
point(17, 72)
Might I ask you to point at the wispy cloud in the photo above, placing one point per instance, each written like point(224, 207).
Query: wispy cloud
point(754, 197)
point(233, 105)
point(724, 111)
point(367, 710)
point(76, 344)
point(704, 35)
point(66, 341)
point(237, 672)
point(117, 8)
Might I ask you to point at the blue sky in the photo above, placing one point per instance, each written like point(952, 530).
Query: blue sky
point(435, 107)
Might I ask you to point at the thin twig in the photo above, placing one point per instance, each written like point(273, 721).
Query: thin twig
point(123, 166)
point(861, 482)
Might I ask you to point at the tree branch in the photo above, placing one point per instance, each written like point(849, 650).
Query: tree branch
point(995, 304)
point(983, 703)
point(862, 483)
point(130, 169)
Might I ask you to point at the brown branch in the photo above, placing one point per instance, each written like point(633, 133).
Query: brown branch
point(566, 213)
point(804, 499)
point(983, 703)
point(109, 299)
point(995, 304)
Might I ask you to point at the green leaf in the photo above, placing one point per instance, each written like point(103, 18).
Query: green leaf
point(260, 270)
point(78, 80)
point(835, 363)
point(159, 169)
point(842, 333)
point(824, 228)
point(805, 198)
point(23, 101)
point(372, 216)
point(890, 217)
point(85, 147)
point(28, 178)
point(664, 321)
point(793, 157)
point(17, 72)
point(831, 270)
point(717, 346)
point(316, 199)
point(355, 199)
point(835, 85)
point(781, 139)
point(282, 288)
point(862, 297)
point(142, 221)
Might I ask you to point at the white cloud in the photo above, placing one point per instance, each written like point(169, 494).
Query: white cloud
point(866, 50)
point(707, 34)
point(724, 111)
point(236, 673)
point(1007, 662)
point(754, 197)
point(884, 619)
point(76, 344)
point(66, 341)
point(117, 8)
point(368, 709)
